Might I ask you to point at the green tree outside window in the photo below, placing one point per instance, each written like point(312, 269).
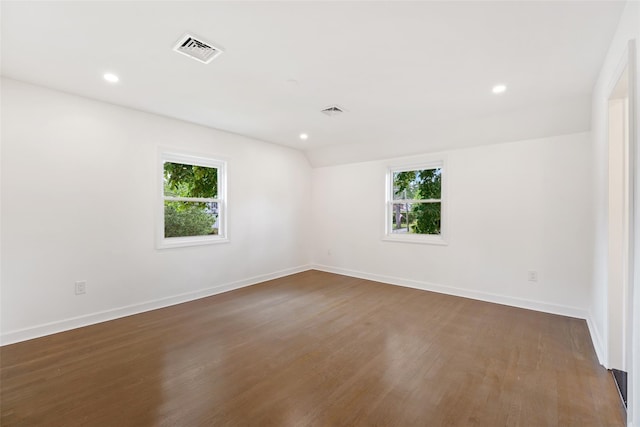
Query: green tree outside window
point(417, 206)
point(190, 217)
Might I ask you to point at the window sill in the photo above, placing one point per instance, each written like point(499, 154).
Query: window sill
point(419, 239)
point(180, 242)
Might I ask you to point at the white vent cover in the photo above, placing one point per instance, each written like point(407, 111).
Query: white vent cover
point(332, 110)
point(196, 48)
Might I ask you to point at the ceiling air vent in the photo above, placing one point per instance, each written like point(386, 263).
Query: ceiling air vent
point(333, 110)
point(196, 48)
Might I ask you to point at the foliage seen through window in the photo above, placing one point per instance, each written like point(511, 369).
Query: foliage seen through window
point(417, 204)
point(191, 207)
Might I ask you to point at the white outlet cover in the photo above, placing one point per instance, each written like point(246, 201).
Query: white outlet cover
point(81, 287)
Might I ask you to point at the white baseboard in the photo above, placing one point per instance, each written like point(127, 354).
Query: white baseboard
point(103, 316)
point(596, 339)
point(467, 293)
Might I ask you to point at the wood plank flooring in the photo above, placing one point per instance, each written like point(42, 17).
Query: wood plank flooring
point(314, 349)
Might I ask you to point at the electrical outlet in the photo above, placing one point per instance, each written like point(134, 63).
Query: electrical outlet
point(81, 287)
point(532, 276)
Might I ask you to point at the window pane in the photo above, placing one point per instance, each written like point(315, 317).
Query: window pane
point(190, 219)
point(415, 218)
point(182, 180)
point(427, 218)
point(417, 184)
point(401, 218)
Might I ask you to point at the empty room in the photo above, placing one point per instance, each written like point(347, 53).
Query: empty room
point(319, 213)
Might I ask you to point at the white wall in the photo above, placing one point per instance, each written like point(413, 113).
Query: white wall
point(513, 207)
point(79, 182)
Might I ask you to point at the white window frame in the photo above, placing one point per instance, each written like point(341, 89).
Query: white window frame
point(197, 160)
point(430, 239)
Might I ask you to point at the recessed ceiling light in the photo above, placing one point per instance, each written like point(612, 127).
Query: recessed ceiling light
point(304, 136)
point(499, 88)
point(111, 78)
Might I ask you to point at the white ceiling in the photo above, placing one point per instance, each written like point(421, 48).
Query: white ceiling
point(414, 76)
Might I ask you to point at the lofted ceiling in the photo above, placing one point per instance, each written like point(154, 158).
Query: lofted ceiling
point(412, 76)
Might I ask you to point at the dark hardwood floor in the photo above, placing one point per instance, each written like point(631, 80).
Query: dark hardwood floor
point(314, 349)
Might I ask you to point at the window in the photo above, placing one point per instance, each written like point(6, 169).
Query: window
point(192, 202)
point(415, 204)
